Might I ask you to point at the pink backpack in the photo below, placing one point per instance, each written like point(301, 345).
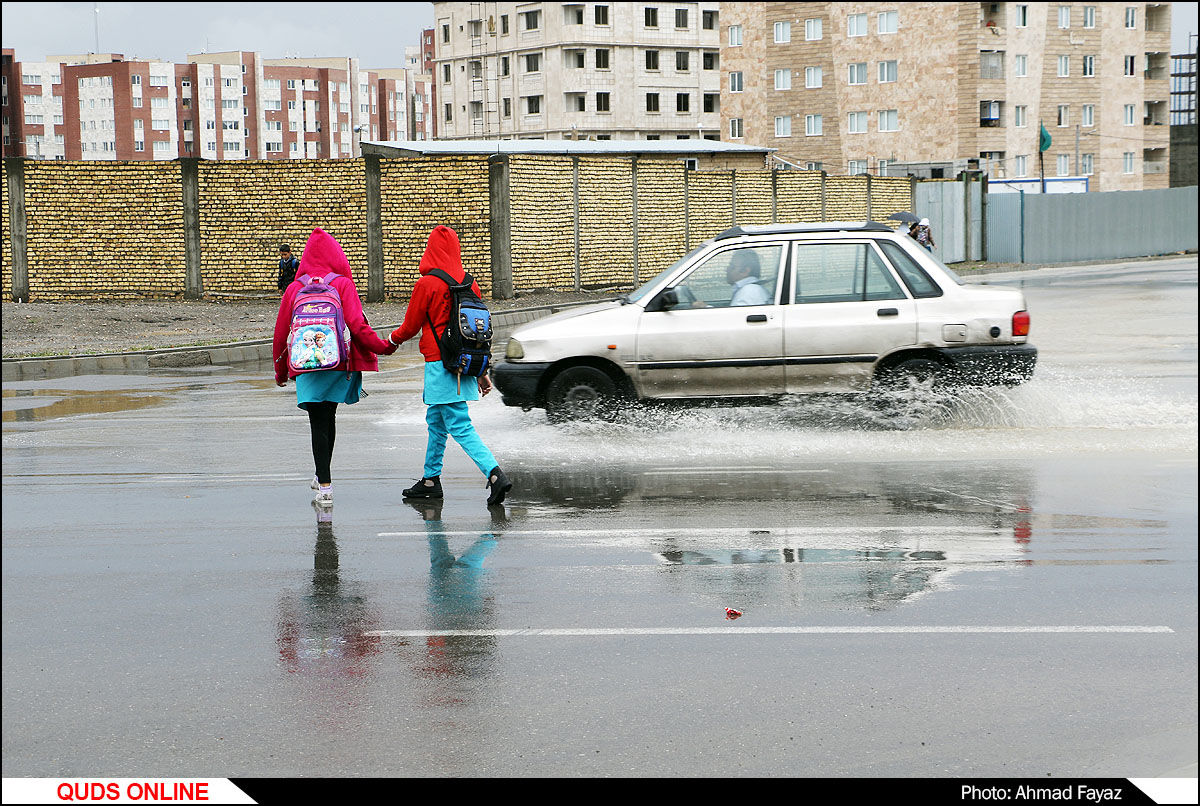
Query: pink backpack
point(318, 338)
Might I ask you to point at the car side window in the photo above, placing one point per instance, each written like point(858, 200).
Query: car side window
point(735, 278)
point(914, 276)
point(841, 272)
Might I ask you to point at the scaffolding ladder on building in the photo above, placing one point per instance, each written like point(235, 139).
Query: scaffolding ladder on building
point(484, 112)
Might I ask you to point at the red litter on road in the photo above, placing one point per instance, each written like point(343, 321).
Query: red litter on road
point(731, 614)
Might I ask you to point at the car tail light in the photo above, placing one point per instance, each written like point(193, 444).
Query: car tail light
point(1021, 323)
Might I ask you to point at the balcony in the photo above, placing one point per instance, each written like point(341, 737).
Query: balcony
point(1154, 167)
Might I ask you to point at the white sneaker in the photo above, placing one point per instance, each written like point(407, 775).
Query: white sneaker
point(315, 485)
point(324, 496)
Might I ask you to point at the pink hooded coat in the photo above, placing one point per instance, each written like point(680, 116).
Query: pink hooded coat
point(322, 255)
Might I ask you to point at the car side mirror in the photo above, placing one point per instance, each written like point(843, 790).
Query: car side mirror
point(666, 300)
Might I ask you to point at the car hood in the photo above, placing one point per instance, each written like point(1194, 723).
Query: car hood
point(562, 316)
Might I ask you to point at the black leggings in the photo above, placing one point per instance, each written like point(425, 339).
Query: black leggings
point(322, 423)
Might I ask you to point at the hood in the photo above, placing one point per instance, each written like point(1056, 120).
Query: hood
point(442, 252)
point(323, 254)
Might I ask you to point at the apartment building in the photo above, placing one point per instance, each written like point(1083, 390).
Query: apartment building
point(555, 71)
point(233, 105)
point(855, 87)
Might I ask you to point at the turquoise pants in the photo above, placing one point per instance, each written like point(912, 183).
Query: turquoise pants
point(452, 419)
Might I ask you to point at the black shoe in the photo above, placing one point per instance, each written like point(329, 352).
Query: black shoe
point(499, 484)
point(423, 489)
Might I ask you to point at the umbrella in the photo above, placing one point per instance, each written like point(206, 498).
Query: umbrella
point(905, 216)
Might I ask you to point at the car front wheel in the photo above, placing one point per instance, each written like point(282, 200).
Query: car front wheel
point(580, 393)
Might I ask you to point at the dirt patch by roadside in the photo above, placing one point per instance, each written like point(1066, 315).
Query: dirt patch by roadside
point(85, 328)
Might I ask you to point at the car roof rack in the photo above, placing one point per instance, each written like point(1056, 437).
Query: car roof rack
point(821, 226)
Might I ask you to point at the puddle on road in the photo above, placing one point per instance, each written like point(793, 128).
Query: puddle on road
point(29, 405)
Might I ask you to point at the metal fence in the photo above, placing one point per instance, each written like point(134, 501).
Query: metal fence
point(955, 213)
point(1061, 228)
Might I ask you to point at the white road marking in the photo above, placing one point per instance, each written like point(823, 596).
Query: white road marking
point(747, 630)
point(774, 531)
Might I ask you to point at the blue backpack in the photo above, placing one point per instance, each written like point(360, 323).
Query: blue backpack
point(466, 343)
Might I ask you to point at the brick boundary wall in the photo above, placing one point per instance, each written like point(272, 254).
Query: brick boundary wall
point(190, 228)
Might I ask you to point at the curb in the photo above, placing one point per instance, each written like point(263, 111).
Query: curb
point(240, 352)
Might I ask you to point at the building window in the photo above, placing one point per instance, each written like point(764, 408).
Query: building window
point(1130, 22)
point(1064, 115)
point(601, 58)
point(812, 77)
point(533, 104)
point(857, 123)
point(1022, 17)
point(1088, 116)
point(651, 17)
point(858, 73)
point(857, 167)
point(783, 32)
point(531, 19)
point(1128, 160)
point(681, 101)
point(711, 60)
point(652, 102)
point(449, 111)
point(783, 79)
point(1130, 65)
point(602, 15)
point(1021, 165)
point(856, 25)
point(681, 61)
point(651, 60)
point(507, 105)
point(812, 125)
point(812, 29)
point(1019, 116)
point(887, 72)
point(735, 81)
point(681, 18)
point(881, 167)
point(736, 130)
point(1064, 16)
point(503, 24)
point(1089, 16)
point(1086, 161)
point(712, 102)
point(505, 69)
point(708, 20)
point(1129, 118)
point(1021, 65)
point(735, 36)
point(783, 126)
point(1064, 66)
point(991, 64)
point(446, 73)
point(139, 145)
point(889, 120)
point(889, 22)
point(1089, 66)
point(533, 64)
point(1063, 165)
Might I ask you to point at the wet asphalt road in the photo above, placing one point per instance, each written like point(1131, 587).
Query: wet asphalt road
point(1008, 589)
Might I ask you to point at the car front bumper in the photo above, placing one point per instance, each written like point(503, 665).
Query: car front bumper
point(518, 383)
point(992, 364)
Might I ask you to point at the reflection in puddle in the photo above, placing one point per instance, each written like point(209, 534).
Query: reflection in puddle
point(28, 405)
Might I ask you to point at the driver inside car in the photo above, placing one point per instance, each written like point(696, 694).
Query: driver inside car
point(743, 274)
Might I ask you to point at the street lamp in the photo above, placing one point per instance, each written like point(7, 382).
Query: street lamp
point(358, 130)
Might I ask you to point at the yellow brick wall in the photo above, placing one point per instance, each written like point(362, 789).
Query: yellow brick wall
point(753, 197)
point(799, 196)
point(845, 198)
point(6, 267)
point(660, 215)
point(605, 222)
point(416, 194)
point(710, 204)
point(249, 207)
point(890, 194)
point(104, 230)
point(542, 220)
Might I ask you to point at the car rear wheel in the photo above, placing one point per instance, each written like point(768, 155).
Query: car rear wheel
point(580, 393)
point(915, 373)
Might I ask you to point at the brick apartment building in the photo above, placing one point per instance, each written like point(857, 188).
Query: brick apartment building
point(233, 105)
point(854, 87)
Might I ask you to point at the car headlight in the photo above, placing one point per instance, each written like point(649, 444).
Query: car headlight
point(514, 349)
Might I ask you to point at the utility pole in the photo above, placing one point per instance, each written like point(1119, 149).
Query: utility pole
point(96, 16)
point(1077, 149)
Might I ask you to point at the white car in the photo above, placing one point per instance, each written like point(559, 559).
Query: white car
point(766, 311)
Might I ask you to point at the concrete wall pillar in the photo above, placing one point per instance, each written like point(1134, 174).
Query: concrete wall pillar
point(374, 231)
point(193, 283)
point(633, 199)
point(501, 226)
point(14, 172)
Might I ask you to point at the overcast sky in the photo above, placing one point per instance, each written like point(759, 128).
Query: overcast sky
point(376, 33)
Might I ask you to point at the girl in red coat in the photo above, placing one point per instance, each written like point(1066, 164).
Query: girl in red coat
point(445, 394)
point(319, 392)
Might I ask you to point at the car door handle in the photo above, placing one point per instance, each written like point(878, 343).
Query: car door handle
point(888, 312)
point(756, 317)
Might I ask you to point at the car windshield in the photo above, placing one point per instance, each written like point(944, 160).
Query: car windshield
point(641, 292)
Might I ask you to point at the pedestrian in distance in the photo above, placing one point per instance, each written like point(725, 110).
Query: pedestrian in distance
point(321, 389)
point(445, 393)
point(288, 264)
point(924, 234)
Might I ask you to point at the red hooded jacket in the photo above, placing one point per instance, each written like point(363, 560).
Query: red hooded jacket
point(431, 296)
point(322, 255)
